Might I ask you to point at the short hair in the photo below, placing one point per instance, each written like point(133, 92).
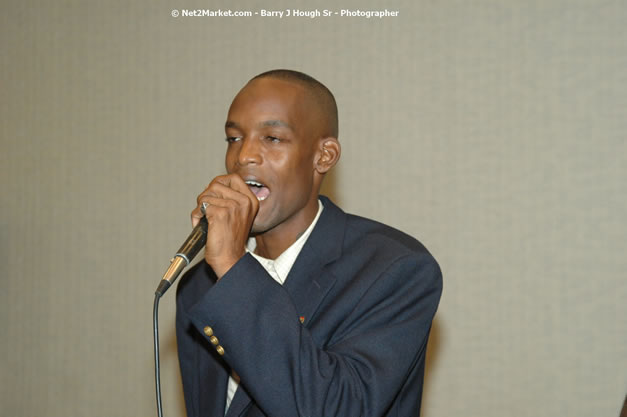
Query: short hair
point(320, 93)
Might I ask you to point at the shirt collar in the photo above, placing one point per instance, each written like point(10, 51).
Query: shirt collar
point(281, 266)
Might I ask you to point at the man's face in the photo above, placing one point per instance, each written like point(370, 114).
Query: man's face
point(271, 145)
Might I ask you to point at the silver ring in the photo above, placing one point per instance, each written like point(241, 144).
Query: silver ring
point(203, 208)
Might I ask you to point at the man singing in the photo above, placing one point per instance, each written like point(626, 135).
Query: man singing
point(298, 308)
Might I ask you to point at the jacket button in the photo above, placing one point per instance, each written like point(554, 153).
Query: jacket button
point(214, 340)
point(208, 331)
point(220, 350)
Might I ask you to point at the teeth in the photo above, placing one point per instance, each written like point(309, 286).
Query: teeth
point(259, 186)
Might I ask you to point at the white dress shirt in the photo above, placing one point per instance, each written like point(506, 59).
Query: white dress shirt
point(278, 269)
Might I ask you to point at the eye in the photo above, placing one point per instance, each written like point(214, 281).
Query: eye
point(232, 139)
point(273, 139)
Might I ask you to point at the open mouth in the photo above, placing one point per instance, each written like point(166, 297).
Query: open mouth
point(258, 189)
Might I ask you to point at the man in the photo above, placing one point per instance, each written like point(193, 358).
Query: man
point(298, 309)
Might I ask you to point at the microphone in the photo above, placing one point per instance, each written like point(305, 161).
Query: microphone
point(184, 256)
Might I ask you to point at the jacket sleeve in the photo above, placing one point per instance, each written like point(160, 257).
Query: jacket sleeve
point(360, 368)
point(186, 338)
point(195, 353)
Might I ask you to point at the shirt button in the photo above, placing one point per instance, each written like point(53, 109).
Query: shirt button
point(214, 340)
point(208, 331)
point(220, 350)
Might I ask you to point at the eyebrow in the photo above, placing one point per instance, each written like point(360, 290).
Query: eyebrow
point(266, 123)
point(275, 123)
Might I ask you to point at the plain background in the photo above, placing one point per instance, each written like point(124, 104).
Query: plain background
point(493, 131)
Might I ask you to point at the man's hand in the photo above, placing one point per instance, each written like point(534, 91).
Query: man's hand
point(230, 210)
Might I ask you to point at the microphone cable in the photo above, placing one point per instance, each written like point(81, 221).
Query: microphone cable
point(183, 258)
point(155, 327)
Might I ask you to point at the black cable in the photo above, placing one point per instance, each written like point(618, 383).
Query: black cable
point(185, 254)
point(155, 327)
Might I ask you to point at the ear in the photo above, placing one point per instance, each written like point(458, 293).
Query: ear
point(328, 154)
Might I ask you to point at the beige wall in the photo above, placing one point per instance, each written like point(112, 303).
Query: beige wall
point(494, 131)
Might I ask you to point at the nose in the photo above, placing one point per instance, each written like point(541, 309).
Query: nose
point(249, 152)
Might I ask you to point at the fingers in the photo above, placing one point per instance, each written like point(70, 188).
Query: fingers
point(203, 212)
point(227, 186)
point(227, 191)
point(234, 182)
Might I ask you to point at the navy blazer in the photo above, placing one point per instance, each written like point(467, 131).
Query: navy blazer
point(344, 336)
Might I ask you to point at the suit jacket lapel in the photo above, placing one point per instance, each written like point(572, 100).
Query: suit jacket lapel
point(309, 279)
